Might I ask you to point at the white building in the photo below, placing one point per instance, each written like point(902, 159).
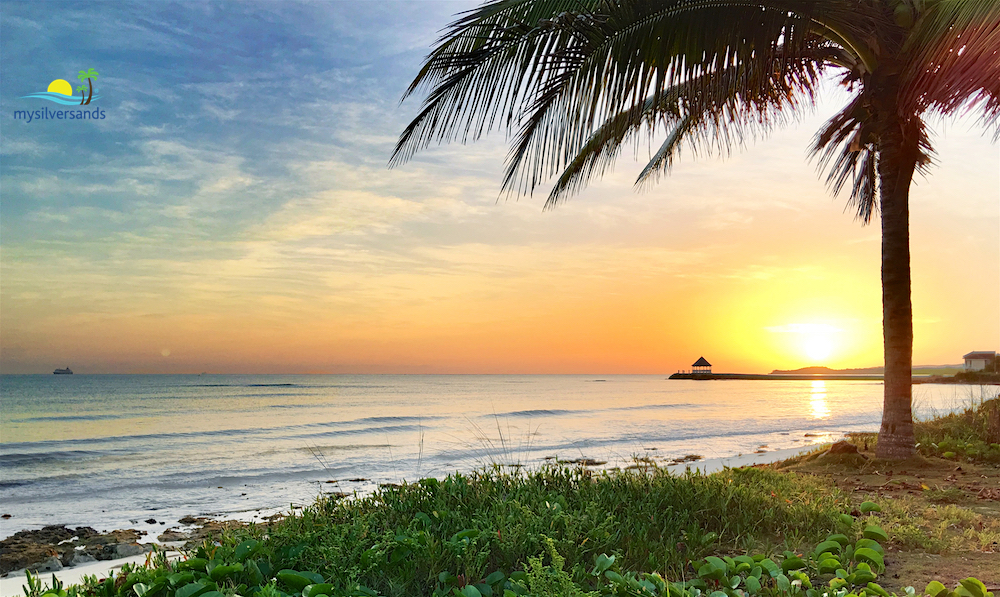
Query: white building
point(977, 361)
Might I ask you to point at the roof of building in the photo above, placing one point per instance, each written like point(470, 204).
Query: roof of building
point(980, 354)
point(701, 362)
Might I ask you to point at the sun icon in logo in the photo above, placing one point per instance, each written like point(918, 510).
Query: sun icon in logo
point(60, 86)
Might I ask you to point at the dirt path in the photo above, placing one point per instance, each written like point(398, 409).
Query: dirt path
point(943, 516)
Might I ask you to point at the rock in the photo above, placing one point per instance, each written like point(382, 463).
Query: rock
point(78, 557)
point(125, 550)
point(188, 520)
point(27, 548)
point(150, 521)
point(51, 564)
point(173, 535)
point(843, 447)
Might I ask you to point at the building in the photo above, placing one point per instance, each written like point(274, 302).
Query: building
point(701, 366)
point(978, 360)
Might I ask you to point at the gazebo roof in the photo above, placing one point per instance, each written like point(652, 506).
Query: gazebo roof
point(701, 362)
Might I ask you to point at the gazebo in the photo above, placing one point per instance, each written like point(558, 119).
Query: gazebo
point(701, 366)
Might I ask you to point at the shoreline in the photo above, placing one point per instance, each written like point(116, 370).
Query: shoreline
point(12, 582)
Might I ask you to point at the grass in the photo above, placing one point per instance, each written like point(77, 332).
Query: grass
point(473, 525)
point(972, 434)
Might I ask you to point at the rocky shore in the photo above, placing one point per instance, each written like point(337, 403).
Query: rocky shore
point(55, 547)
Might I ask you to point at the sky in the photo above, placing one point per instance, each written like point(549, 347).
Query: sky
point(233, 213)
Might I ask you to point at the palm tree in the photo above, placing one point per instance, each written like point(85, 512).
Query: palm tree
point(88, 74)
point(574, 80)
point(83, 93)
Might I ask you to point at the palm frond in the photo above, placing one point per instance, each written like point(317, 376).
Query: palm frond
point(557, 70)
point(703, 117)
point(846, 149)
point(654, 47)
point(955, 64)
point(481, 71)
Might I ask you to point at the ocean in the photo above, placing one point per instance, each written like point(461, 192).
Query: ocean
point(142, 451)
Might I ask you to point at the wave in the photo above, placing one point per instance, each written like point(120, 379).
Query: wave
point(657, 406)
point(61, 418)
point(538, 412)
point(32, 458)
point(65, 100)
point(340, 448)
point(550, 412)
point(251, 385)
point(340, 432)
point(287, 385)
point(209, 437)
point(402, 419)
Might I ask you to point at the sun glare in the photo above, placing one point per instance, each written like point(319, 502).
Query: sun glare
point(818, 347)
point(817, 400)
point(815, 341)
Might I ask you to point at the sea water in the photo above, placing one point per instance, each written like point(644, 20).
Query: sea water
point(116, 451)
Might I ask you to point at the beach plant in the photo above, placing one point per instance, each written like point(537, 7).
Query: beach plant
point(572, 81)
point(836, 567)
point(968, 587)
point(33, 588)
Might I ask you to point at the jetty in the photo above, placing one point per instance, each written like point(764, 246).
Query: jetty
point(774, 376)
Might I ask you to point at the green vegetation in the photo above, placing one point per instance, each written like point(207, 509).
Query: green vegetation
point(971, 435)
point(836, 566)
point(400, 540)
point(555, 532)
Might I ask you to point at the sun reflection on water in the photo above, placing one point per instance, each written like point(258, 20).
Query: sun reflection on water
point(817, 400)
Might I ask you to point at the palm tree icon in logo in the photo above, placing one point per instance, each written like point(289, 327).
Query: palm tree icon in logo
point(89, 75)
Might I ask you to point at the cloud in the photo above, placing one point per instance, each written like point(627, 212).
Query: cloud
point(336, 212)
point(23, 147)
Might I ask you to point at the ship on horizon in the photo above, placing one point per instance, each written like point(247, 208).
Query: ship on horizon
point(66, 371)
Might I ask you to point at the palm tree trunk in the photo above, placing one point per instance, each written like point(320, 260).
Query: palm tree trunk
point(898, 154)
point(90, 84)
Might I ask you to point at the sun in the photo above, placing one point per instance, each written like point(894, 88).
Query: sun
point(60, 86)
point(818, 347)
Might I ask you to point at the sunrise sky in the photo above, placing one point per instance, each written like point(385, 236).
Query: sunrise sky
point(234, 214)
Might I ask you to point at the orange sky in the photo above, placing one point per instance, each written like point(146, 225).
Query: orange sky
point(298, 251)
point(627, 283)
